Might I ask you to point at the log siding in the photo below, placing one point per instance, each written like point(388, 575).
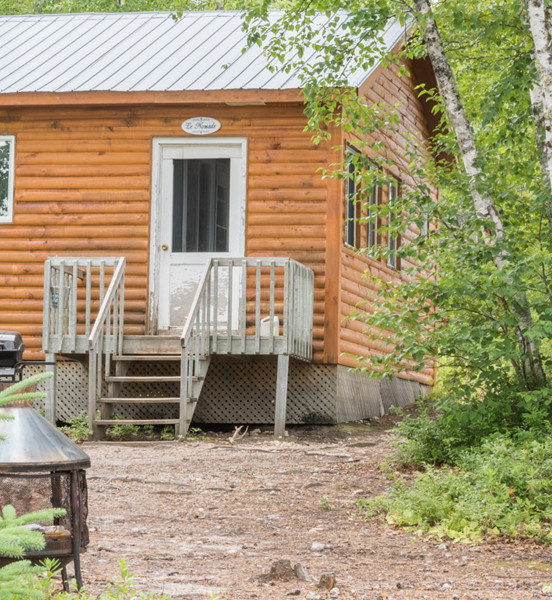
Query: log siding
point(83, 187)
point(384, 86)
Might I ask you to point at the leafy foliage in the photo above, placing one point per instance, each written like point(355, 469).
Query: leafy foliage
point(446, 426)
point(9, 7)
point(463, 287)
point(501, 489)
point(467, 317)
point(18, 579)
point(77, 428)
point(13, 393)
point(122, 589)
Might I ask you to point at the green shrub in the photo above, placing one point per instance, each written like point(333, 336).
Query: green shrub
point(455, 421)
point(503, 487)
point(77, 428)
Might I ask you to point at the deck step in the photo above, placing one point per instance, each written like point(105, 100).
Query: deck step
point(143, 379)
point(151, 344)
point(162, 400)
point(147, 357)
point(109, 422)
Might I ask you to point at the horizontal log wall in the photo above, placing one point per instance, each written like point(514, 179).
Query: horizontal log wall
point(384, 86)
point(83, 187)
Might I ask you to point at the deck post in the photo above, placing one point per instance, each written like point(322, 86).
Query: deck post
point(281, 395)
point(50, 403)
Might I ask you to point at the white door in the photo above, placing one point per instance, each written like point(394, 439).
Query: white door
point(198, 212)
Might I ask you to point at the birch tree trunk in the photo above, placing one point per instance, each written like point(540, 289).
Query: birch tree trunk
point(540, 23)
point(483, 203)
point(537, 103)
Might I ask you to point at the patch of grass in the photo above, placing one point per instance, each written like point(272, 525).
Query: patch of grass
point(325, 504)
point(446, 425)
point(128, 432)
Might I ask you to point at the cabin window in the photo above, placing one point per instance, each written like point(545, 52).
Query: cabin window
point(201, 205)
point(372, 222)
point(7, 149)
point(352, 206)
point(393, 239)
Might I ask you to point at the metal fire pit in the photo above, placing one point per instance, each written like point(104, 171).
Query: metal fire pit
point(42, 468)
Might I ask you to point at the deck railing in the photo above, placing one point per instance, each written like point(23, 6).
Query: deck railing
point(106, 337)
point(74, 292)
point(248, 306)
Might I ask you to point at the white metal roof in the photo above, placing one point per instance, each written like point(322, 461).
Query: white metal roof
point(126, 52)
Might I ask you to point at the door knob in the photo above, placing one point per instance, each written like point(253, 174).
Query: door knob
point(164, 247)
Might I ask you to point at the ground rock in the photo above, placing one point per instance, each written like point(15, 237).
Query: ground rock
point(327, 581)
point(317, 547)
point(300, 572)
point(280, 570)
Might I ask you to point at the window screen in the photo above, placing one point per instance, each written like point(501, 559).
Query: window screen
point(201, 196)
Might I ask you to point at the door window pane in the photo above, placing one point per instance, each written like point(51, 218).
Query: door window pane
point(201, 196)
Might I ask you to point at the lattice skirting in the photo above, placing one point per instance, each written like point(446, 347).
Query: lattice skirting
point(243, 392)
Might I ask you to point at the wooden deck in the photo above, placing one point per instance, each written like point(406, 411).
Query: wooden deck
point(242, 306)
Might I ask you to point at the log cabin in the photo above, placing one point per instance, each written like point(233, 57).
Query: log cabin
point(167, 240)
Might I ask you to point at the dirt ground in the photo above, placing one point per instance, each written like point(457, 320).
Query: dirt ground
point(209, 519)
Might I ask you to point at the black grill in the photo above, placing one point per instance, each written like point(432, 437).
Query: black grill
point(11, 355)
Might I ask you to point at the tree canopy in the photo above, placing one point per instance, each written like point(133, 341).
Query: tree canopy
point(487, 315)
point(9, 7)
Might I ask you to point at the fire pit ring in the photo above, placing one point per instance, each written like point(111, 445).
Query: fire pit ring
point(42, 468)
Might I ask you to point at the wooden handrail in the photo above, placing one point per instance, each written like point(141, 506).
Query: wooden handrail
point(196, 303)
point(105, 308)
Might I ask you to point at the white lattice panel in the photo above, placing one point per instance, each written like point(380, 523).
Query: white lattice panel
point(242, 391)
point(237, 391)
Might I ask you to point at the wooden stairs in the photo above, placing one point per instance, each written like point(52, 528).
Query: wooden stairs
point(242, 306)
point(150, 351)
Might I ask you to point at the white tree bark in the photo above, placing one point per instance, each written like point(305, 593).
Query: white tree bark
point(483, 203)
point(538, 116)
point(540, 23)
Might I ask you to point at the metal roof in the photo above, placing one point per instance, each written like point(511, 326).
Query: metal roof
point(126, 52)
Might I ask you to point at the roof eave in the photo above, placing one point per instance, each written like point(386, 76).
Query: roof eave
point(151, 97)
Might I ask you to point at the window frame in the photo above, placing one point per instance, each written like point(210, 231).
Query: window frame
point(8, 217)
point(373, 237)
point(352, 204)
point(393, 241)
